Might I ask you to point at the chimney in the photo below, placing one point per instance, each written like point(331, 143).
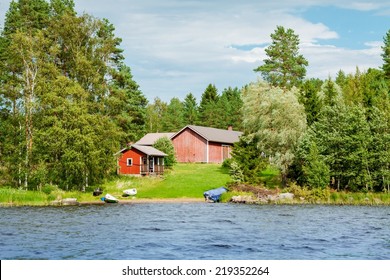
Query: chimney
point(230, 127)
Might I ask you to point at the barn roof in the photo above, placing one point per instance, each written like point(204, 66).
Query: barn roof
point(147, 150)
point(214, 134)
point(150, 138)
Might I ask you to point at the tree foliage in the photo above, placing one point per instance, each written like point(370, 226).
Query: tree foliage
point(276, 119)
point(284, 67)
point(165, 145)
point(68, 100)
point(386, 56)
point(214, 110)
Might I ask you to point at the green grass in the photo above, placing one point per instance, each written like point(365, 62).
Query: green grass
point(183, 181)
point(186, 181)
point(271, 177)
point(9, 196)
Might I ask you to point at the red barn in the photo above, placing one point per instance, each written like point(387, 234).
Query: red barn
point(204, 144)
point(140, 160)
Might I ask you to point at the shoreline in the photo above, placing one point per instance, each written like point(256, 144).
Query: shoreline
point(146, 200)
point(99, 202)
point(192, 200)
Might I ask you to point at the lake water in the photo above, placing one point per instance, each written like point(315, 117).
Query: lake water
point(195, 231)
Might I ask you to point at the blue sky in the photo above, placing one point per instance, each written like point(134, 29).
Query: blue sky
point(179, 46)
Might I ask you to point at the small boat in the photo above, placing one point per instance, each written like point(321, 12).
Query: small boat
point(130, 192)
point(97, 192)
point(108, 198)
point(214, 195)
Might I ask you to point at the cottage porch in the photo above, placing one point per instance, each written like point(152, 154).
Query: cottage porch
point(152, 166)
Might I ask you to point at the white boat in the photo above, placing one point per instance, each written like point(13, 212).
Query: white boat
point(129, 192)
point(108, 198)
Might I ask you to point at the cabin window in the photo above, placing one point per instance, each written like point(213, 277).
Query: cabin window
point(129, 162)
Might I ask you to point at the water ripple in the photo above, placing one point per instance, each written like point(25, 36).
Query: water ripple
point(195, 231)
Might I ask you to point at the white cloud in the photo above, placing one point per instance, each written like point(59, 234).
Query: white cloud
point(174, 47)
point(327, 60)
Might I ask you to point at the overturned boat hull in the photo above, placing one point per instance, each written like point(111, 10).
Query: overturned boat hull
point(214, 195)
point(130, 192)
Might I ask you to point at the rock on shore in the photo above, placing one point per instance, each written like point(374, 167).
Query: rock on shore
point(263, 198)
point(65, 202)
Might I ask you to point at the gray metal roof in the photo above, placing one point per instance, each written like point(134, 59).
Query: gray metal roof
point(150, 138)
point(147, 150)
point(150, 151)
point(214, 134)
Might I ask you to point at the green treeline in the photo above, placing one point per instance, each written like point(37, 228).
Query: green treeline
point(213, 110)
point(67, 100)
point(68, 103)
point(318, 133)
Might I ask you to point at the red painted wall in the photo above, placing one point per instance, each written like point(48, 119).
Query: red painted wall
point(215, 152)
point(190, 147)
point(135, 168)
point(218, 152)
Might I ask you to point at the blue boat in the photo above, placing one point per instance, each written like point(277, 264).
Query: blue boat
point(214, 195)
point(108, 198)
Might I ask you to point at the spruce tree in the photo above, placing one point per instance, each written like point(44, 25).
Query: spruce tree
point(191, 112)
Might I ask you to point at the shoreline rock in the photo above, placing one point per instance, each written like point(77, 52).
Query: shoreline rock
point(65, 202)
point(266, 198)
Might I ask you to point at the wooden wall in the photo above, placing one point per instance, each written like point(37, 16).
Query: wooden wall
point(136, 167)
point(190, 147)
point(218, 152)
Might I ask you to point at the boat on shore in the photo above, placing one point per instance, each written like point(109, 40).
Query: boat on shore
point(129, 192)
point(214, 195)
point(108, 198)
point(97, 192)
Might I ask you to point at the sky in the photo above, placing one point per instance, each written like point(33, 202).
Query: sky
point(175, 47)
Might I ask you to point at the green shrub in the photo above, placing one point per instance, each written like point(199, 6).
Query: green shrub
point(227, 163)
point(47, 189)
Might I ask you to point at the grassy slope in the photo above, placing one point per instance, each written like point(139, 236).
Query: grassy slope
point(184, 181)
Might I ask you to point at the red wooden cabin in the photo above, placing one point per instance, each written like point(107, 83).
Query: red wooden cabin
point(204, 144)
point(140, 160)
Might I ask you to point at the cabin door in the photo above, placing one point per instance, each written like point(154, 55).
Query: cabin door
point(151, 164)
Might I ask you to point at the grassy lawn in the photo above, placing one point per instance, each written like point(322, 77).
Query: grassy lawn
point(183, 181)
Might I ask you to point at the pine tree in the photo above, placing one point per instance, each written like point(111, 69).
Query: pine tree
point(191, 113)
point(173, 119)
point(126, 105)
point(310, 99)
point(208, 108)
point(284, 67)
point(386, 56)
point(247, 160)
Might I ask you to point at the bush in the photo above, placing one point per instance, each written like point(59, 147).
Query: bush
point(47, 189)
point(227, 163)
point(165, 145)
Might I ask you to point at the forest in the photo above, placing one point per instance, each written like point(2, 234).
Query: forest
point(68, 103)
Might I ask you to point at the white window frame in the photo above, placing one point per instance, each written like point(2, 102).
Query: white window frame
point(131, 161)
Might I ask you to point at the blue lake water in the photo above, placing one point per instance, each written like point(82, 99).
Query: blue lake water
point(195, 231)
